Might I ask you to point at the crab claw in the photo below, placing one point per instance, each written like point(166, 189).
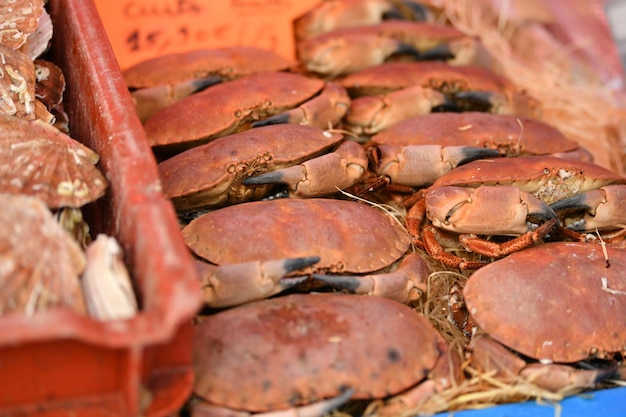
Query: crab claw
point(438, 53)
point(420, 165)
point(235, 284)
point(322, 175)
point(149, 100)
point(510, 103)
point(340, 56)
point(603, 208)
point(405, 284)
point(371, 114)
point(323, 111)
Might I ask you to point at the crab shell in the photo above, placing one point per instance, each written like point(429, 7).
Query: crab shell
point(449, 79)
point(211, 174)
point(335, 14)
point(347, 50)
point(297, 349)
point(556, 302)
point(547, 177)
point(232, 107)
point(347, 236)
point(158, 82)
point(512, 135)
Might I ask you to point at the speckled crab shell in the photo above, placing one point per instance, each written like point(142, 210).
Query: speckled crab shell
point(348, 236)
point(513, 135)
point(556, 302)
point(547, 177)
point(297, 349)
point(232, 106)
point(210, 175)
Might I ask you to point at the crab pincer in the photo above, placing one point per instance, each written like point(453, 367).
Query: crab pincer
point(420, 165)
point(601, 209)
point(407, 283)
point(319, 176)
point(235, 284)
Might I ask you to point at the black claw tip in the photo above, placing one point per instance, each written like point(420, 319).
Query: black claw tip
point(204, 83)
point(474, 153)
point(298, 263)
point(341, 282)
point(273, 177)
point(278, 119)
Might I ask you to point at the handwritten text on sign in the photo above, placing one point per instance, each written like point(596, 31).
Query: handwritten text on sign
point(141, 29)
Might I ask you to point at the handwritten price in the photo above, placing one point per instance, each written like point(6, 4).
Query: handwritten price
point(159, 40)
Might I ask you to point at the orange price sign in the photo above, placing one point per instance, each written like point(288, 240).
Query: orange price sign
point(142, 29)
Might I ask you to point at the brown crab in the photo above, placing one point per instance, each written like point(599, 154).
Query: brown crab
point(158, 82)
point(307, 354)
point(354, 237)
point(236, 104)
point(231, 169)
point(335, 14)
point(511, 135)
point(348, 50)
point(560, 296)
point(546, 178)
point(391, 92)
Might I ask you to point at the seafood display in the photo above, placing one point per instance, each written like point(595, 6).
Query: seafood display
point(395, 177)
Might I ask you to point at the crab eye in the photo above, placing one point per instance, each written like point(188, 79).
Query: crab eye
point(546, 171)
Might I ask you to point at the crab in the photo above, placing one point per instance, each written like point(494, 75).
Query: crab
point(561, 297)
point(236, 104)
point(386, 94)
point(546, 178)
point(349, 237)
point(349, 50)
point(306, 354)
point(335, 14)
point(158, 82)
point(510, 135)
point(231, 169)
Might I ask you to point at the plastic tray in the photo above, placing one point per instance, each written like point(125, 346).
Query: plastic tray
point(606, 403)
point(58, 363)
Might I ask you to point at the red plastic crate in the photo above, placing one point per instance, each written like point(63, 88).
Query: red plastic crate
point(58, 363)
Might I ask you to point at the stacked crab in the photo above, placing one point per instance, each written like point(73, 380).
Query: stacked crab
point(269, 164)
point(47, 259)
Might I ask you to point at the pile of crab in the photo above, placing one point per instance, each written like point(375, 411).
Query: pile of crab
point(385, 226)
point(47, 257)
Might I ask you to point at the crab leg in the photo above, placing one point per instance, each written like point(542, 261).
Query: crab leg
point(230, 285)
point(372, 114)
point(405, 284)
point(420, 165)
point(322, 175)
point(323, 111)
